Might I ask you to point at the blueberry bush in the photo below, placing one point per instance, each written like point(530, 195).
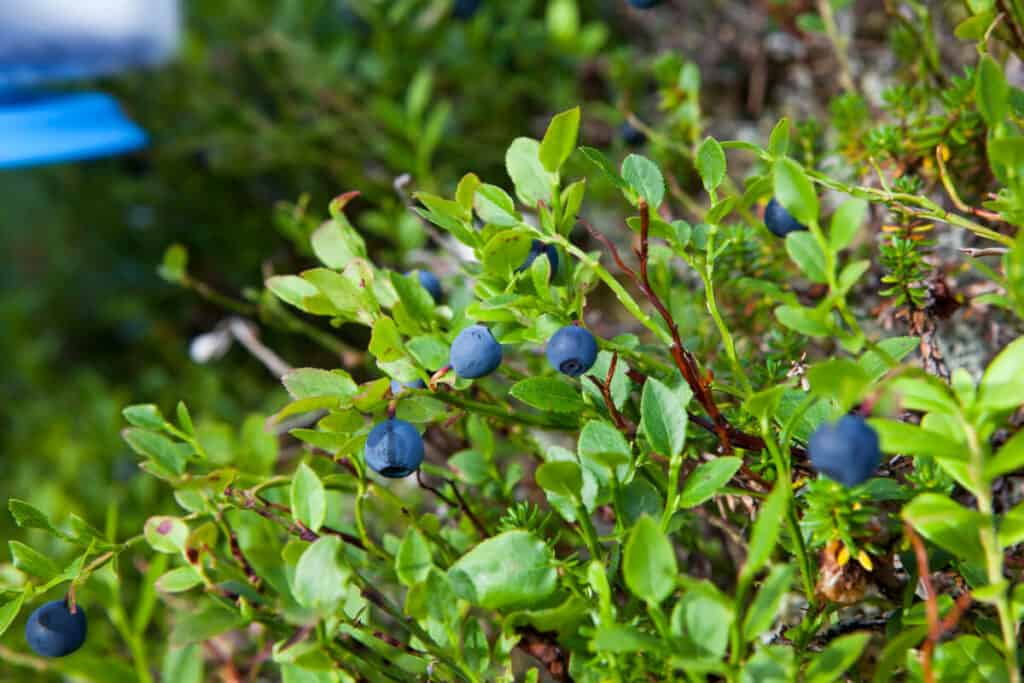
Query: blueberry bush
point(693, 410)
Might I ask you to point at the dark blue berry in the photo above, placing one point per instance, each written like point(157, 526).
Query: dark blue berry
point(632, 136)
point(644, 4)
point(475, 352)
point(846, 451)
point(398, 388)
point(780, 221)
point(429, 282)
point(53, 631)
point(465, 9)
point(394, 449)
point(536, 249)
point(572, 350)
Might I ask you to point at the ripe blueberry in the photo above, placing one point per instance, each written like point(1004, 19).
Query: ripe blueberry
point(644, 4)
point(475, 352)
point(394, 449)
point(53, 631)
point(634, 137)
point(572, 350)
point(536, 249)
point(780, 221)
point(465, 9)
point(398, 388)
point(429, 282)
point(846, 451)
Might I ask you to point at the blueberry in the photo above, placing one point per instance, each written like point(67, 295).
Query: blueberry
point(398, 388)
point(465, 9)
point(475, 352)
point(53, 631)
point(780, 221)
point(632, 136)
point(846, 451)
point(536, 249)
point(429, 282)
point(394, 449)
point(572, 350)
point(644, 4)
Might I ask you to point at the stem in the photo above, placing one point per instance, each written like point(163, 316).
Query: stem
point(589, 532)
point(723, 330)
point(527, 419)
point(675, 465)
point(838, 44)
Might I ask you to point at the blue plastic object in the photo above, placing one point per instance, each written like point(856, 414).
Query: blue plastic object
point(51, 128)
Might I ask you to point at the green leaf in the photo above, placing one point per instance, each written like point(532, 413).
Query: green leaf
point(846, 221)
point(166, 534)
point(9, 612)
point(303, 383)
point(649, 562)
point(563, 477)
point(560, 139)
point(619, 638)
point(778, 141)
point(321, 577)
point(644, 176)
point(766, 530)
point(850, 275)
point(308, 498)
point(906, 439)
point(413, 562)
point(830, 664)
point(532, 181)
point(1009, 458)
point(711, 164)
point(705, 616)
point(32, 561)
point(495, 206)
point(209, 621)
point(300, 293)
point(168, 454)
point(429, 351)
point(925, 393)
point(416, 300)
point(505, 252)
point(1002, 385)
point(433, 598)
point(602, 443)
point(146, 415)
point(336, 244)
point(991, 91)
point(386, 341)
point(948, 525)
point(663, 418)
point(762, 611)
point(512, 569)
point(178, 580)
point(175, 264)
point(793, 189)
point(802, 320)
point(897, 347)
point(548, 393)
point(839, 379)
point(805, 251)
point(705, 481)
point(598, 159)
point(1011, 526)
point(28, 516)
point(183, 665)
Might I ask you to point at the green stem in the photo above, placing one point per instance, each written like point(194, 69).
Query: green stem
point(589, 532)
point(673, 492)
point(723, 330)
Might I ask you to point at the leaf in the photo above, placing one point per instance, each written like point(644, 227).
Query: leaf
point(320, 576)
point(851, 275)
point(830, 664)
point(598, 159)
point(174, 265)
point(711, 163)
point(209, 621)
point(649, 562)
point(532, 181)
point(991, 91)
point(495, 206)
point(429, 351)
point(1009, 458)
point(1002, 385)
point(433, 598)
point(9, 612)
point(644, 176)
point(28, 516)
point(146, 415)
point(602, 443)
point(413, 562)
point(663, 418)
point(183, 665)
point(762, 611)
point(308, 498)
point(178, 580)
point(166, 534)
point(416, 300)
point(1011, 526)
point(548, 393)
point(846, 221)
point(563, 477)
point(906, 439)
point(766, 530)
point(793, 189)
point(803, 248)
point(705, 616)
point(560, 139)
point(802, 320)
point(948, 525)
point(304, 383)
point(386, 341)
point(897, 347)
point(778, 141)
point(839, 379)
point(619, 638)
point(168, 454)
point(336, 244)
point(32, 561)
point(705, 481)
point(514, 568)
